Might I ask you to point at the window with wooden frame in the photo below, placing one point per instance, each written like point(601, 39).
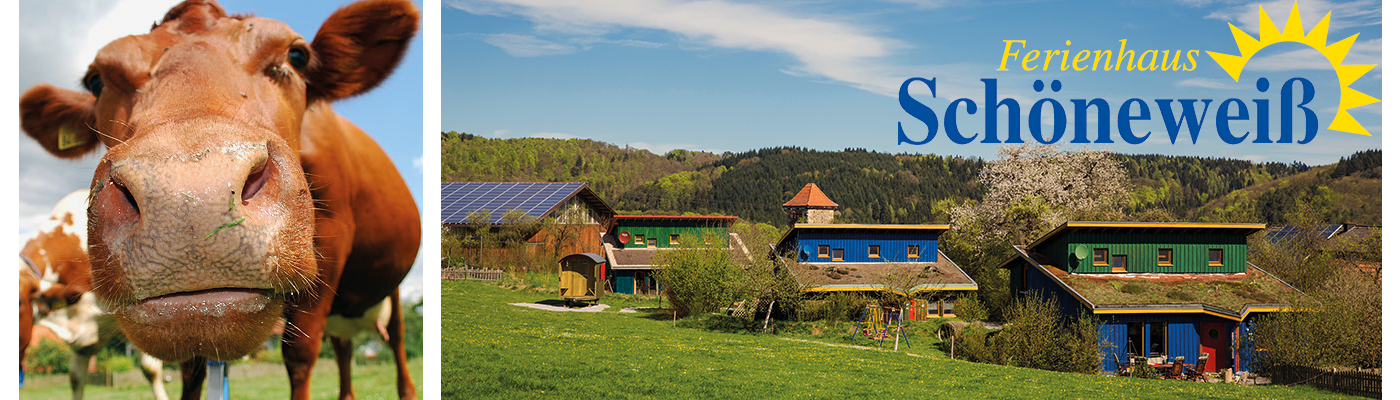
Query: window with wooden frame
point(1215, 257)
point(1157, 339)
point(1101, 257)
point(913, 251)
point(1120, 263)
point(838, 254)
point(823, 251)
point(641, 239)
point(1164, 257)
point(675, 239)
point(1136, 336)
point(651, 243)
point(872, 251)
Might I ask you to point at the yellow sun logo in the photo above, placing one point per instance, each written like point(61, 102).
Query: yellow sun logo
point(1317, 39)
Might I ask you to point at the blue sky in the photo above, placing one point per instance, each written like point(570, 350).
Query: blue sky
point(732, 76)
point(52, 51)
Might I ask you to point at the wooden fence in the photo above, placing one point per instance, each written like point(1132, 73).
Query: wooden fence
point(1354, 383)
point(458, 274)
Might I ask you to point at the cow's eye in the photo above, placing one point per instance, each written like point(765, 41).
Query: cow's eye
point(298, 57)
point(93, 83)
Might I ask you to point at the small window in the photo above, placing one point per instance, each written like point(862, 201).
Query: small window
point(651, 242)
point(1215, 257)
point(838, 254)
point(913, 251)
point(873, 251)
point(1120, 263)
point(641, 239)
point(1164, 256)
point(1101, 257)
point(823, 251)
point(675, 239)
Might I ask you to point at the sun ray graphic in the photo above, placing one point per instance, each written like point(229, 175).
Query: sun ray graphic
point(1317, 39)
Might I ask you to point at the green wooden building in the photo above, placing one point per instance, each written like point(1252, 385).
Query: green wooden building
point(1160, 290)
point(634, 239)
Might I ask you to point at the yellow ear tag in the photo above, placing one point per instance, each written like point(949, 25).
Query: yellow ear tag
point(69, 137)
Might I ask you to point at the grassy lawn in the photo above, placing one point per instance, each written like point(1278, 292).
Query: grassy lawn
point(495, 350)
point(259, 380)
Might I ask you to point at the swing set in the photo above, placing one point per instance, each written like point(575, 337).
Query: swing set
point(875, 323)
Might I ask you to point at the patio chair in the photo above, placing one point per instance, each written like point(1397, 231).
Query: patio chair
point(1177, 365)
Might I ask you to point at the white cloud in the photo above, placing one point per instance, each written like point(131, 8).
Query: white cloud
point(553, 135)
point(500, 132)
point(821, 46)
point(1363, 52)
point(1209, 83)
point(530, 46)
point(1345, 15)
point(418, 162)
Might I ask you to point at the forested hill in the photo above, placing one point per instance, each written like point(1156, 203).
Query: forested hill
point(889, 188)
point(608, 169)
point(1348, 191)
point(869, 186)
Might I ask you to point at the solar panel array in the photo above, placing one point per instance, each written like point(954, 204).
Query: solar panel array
point(1288, 231)
point(533, 198)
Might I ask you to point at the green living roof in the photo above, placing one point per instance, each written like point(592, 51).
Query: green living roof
point(1226, 295)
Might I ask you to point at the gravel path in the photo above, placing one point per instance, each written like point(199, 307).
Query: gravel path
point(547, 307)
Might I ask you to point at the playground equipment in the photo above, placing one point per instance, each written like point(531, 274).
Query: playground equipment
point(875, 323)
point(581, 277)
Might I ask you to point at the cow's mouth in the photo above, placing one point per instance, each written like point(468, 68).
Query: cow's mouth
point(220, 323)
point(217, 303)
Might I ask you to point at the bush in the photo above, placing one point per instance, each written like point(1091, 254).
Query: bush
point(112, 361)
point(699, 278)
point(1036, 336)
point(47, 356)
point(970, 308)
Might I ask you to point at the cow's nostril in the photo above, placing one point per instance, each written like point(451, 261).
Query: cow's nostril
point(126, 194)
point(257, 179)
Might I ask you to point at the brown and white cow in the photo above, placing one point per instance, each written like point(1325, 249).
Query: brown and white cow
point(56, 275)
point(231, 195)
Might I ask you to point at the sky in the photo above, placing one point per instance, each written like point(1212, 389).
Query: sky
point(53, 50)
point(725, 75)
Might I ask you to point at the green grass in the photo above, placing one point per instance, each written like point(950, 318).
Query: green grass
point(491, 349)
point(256, 380)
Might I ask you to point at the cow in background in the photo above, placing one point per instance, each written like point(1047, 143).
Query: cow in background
point(231, 195)
point(56, 288)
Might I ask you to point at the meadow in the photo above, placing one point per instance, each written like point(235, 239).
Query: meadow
point(491, 349)
point(247, 380)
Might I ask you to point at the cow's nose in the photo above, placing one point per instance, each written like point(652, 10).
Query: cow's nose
point(210, 184)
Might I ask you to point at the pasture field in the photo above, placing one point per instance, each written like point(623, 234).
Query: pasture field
point(491, 349)
point(250, 380)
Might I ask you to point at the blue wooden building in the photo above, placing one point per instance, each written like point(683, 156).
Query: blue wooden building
point(1159, 290)
point(870, 257)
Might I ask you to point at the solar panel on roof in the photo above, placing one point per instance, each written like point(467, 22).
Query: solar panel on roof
point(460, 199)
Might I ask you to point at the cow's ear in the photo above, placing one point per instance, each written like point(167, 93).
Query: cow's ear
point(358, 46)
point(60, 120)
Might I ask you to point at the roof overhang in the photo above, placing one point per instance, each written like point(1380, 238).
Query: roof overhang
point(856, 227)
point(1148, 227)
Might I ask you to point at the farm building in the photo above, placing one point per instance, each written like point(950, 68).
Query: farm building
point(873, 258)
point(502, 222)
point(634, 239)
point(1160, 290)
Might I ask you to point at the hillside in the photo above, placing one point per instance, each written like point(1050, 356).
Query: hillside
point(874, 187)
point(608, 169)
point(1346, 192)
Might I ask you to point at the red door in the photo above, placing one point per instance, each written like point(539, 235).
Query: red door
point(1215, 341)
